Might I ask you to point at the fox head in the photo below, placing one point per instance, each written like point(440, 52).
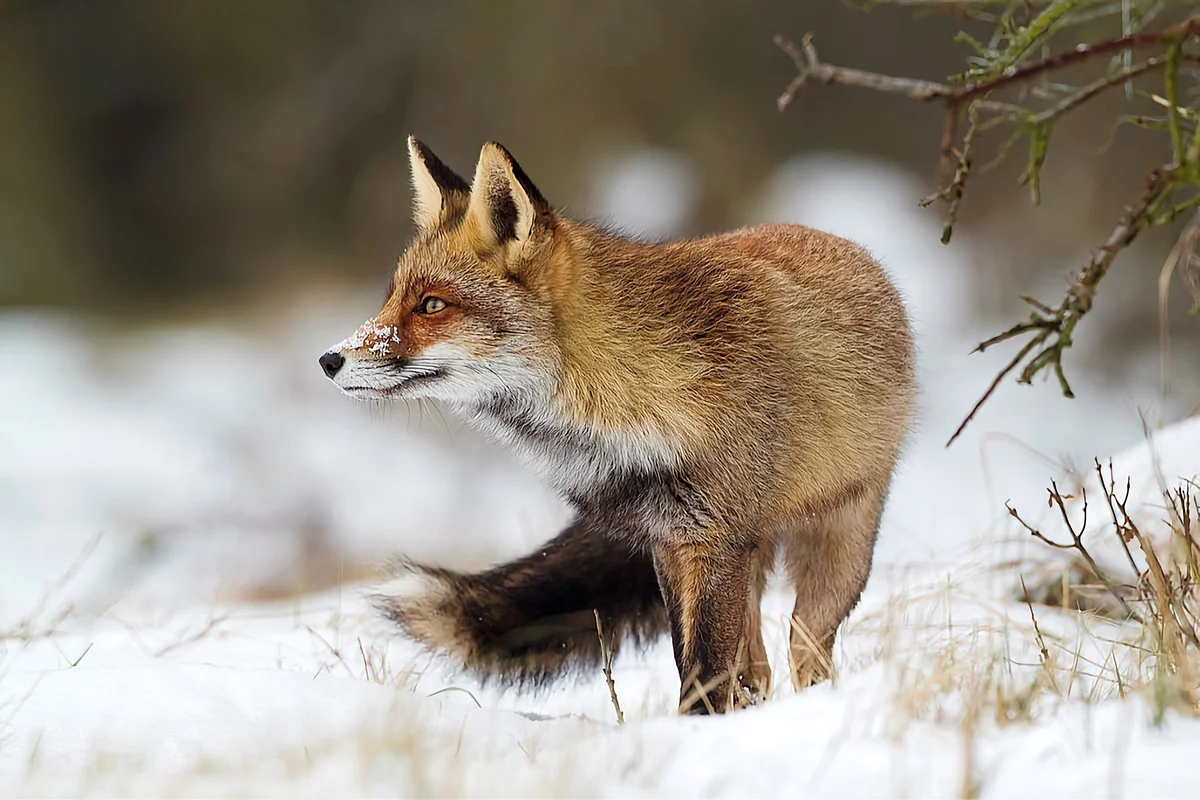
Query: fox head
point(468, 313)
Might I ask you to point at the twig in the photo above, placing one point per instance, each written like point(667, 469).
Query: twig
point(1077, 545)
point(1171, 83)
point(1174, 34)
point(1041, 642)
point(1079, 97)
point(1061, 321)
point(1032, 343)
point(808, 64)
point(607, 654)
point(1133, 222)
point(1041, 25)
point(1043, 651)
point(1108, 498)
point(953, 193)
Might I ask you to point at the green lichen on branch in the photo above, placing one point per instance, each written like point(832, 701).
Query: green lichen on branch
point(1005, 81)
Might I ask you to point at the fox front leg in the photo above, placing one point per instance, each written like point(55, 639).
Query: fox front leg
point(706, 587)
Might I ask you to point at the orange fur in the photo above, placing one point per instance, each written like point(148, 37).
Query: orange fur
point(698, 401)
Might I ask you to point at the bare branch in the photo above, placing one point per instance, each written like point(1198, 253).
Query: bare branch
point(1032, 343)
point(1136, 219)
point(953, 193)
point(1077, 545)
point(809, 65)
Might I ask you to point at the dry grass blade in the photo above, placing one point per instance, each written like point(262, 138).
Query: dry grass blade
point(209, 626)
point(467, 692)
point(29, 627)
point(813, 649)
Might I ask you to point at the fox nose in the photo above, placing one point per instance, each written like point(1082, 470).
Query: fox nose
point(331, 362)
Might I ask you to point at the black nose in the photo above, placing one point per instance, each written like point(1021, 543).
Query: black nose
point(331, 362)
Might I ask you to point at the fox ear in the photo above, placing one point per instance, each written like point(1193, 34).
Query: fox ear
point(437, 189)
point(505, 205)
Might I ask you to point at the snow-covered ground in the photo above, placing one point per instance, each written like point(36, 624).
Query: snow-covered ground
point(189, 515)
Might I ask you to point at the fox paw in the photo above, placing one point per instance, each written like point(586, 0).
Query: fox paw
point(746, 695)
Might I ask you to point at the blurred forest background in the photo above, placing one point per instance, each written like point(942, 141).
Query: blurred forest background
point(163, 153)
point(198, 196)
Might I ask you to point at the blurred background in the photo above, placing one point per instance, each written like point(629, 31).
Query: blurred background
point(197, 197)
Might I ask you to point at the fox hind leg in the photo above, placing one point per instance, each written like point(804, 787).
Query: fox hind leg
point(829, 561)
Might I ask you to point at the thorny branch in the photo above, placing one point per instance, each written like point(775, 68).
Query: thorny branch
point(1016, 58)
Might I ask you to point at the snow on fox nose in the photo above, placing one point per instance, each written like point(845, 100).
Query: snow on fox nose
point(373, 338)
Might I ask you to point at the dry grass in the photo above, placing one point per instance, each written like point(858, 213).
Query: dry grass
point(1157, 651)
point(51, 610)
point(949, 658)
point(946, 655)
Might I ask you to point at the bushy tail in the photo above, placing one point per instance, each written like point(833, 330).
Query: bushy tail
point(532, 619)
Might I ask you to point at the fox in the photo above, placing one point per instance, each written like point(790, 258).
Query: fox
point(709, 408)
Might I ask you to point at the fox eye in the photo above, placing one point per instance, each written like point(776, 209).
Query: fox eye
point(432, 305)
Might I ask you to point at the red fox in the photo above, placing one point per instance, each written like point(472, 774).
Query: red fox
point(698, 403)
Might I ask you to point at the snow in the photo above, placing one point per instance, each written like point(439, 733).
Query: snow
point(282, 701)
point(191, 517)
point(380, 335)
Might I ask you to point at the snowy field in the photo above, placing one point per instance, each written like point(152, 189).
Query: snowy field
point(190, 515)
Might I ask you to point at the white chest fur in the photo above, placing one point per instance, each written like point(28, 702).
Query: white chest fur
point(568, 456)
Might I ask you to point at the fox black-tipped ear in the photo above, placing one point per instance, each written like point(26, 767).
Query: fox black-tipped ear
point(505, 205)
point(437, 190)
